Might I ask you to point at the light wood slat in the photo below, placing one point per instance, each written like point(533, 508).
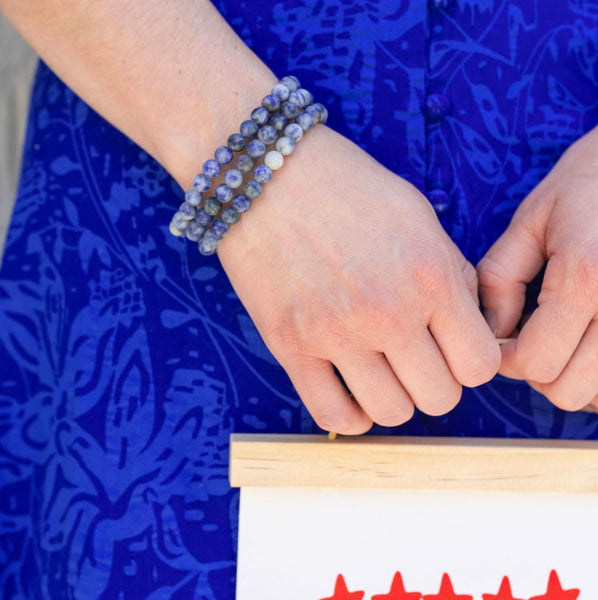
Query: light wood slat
point(414, 463)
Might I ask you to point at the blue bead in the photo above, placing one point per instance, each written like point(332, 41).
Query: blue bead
point(193, 197)
point(260, 116)
point(233, 178)
point(278, 121)
point(301, 97)
point(314, 112)
point(248, 129)
point(256, 149)
point(223, 155)
point(291, 82)
point(285, 145)
point(208, 243)
point(178, 226)
point(322, 110)
point(244, 163)
point(223, 193)
point(304, 121)
point(271, 103)
point(202, 183)
point(212, 206)
point(262, 174)
point(219, 227)
point(294, 131)
point(236, 142)
point(252, 189)
point(230, 216)
point(187, 211)
point(241, 203)
point(195, 231)
point(267, 134)
point(211, 168)
point(203, 218)
point(281, 91)
point(290, 110)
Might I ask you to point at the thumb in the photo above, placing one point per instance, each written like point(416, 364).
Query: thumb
point(506, 269)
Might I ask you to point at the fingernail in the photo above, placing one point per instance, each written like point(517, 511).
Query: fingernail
point(492, 321)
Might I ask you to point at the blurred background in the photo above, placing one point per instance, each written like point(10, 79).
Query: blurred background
point(17, 64)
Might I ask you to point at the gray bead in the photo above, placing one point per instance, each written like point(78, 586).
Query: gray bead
point(252, 189)
point(212, 206)
point(244, 163)
point(285, 145)
point(230, 216)
point(274, 160)
point(236, 142)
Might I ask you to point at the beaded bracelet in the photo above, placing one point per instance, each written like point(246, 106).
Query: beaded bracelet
point(283, 117)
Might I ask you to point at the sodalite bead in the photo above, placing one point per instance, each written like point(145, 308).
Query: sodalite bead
point(294, 131)
point(195, 231)
point(211, 168)
point(267, 134)
point(278, 121)
point(248, 128)
point(291, 82)
point(290, 110)
point(271, 103)
point(219, 227)
point(262, 174)
point(230, 216)
point(301, 97)
point(212, 207)
point(193, 197)
point(202, 183)
point(244, 163)
point(252, 189)
point(236, 142)
point(223, 193)
point(208, 243)
point(202, 217)
point(187, 211)
point(260, 116)
point(256, 149)
point(241, 203)
point(274, 160)
point(304, 121)
point(323, 112)
point(233, 178)
point(176, 229)
point(285, 145)
point(223, 155)
point(281, 91)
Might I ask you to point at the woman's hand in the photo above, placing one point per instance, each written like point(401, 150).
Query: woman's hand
point(556, 350)
point(341, 262)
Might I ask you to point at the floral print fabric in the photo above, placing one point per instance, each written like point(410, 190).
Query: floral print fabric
point(126, 359)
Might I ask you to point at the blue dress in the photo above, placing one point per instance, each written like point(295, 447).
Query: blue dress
point(126, 359)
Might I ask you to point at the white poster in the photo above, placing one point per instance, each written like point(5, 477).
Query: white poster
point(339, 544)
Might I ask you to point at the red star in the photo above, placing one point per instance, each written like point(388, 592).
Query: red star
point(342, 593)
point(504, 593)
point(554, 591)
point(446, 592)
point(397, 591)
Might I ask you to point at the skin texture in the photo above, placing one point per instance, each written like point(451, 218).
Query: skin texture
point(556, 350)
point(340, 262)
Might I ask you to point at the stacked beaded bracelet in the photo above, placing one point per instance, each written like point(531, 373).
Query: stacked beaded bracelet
point(282, 119)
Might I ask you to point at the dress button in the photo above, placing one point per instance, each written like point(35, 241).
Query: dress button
point(440, 201)
point(441, 3)
point(437, 106)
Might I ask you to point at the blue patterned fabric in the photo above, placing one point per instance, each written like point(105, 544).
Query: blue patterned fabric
point(126, 360)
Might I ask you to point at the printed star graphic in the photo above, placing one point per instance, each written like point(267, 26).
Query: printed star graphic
point(446, 592)
point(397, 591)
point(342, 593)
point(554, 591)
point(504, 593)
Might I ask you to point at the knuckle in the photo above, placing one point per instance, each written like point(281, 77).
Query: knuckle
point(491, 273)
point(431, 270)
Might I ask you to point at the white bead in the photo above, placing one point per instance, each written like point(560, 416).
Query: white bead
point(274, 160)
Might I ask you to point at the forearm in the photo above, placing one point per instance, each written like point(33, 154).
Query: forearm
point(171, 75)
